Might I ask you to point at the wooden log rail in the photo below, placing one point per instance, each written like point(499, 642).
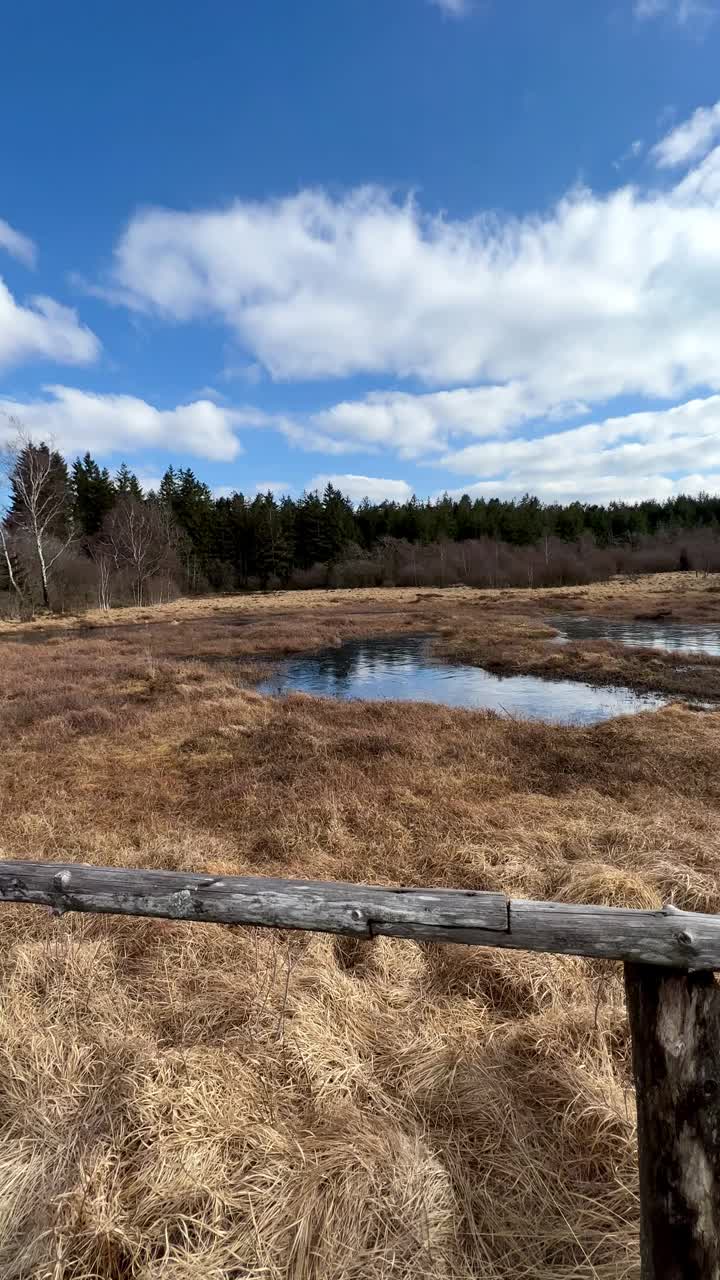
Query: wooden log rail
point(668, 937)
point(673, 999)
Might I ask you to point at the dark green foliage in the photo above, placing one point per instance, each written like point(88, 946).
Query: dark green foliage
point(94, 494)
point(127, 484)
point(235, 542)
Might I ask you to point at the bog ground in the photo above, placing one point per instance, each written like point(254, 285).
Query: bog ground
point(185, 1101)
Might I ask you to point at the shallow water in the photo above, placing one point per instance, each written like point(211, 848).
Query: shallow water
point(401, 667)
point(680, 637)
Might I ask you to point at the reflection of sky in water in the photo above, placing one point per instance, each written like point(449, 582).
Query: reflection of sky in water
point(677, 636)
point(401, 668)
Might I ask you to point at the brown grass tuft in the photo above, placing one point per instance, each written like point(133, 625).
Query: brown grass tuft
point(181, 1102)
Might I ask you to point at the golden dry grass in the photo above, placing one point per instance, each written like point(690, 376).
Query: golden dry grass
point(185, 1101)
point(690, 596)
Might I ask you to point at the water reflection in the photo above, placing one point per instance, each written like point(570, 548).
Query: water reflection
point(681, 637)
point(402, 668)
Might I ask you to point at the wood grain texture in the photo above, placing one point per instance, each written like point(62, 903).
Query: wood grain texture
point(287, 904)
point(675, 1024)
point(668, 938)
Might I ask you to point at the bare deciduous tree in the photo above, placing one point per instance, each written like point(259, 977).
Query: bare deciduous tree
point(102, 555)
point(141, 539)
point(5, 545)
point(40, 505)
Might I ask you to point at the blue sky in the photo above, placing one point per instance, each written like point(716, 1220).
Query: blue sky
point(412, 245)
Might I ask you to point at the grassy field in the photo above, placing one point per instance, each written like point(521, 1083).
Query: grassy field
point(185, 1101)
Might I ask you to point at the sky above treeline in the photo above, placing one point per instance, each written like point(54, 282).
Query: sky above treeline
point(401, 245)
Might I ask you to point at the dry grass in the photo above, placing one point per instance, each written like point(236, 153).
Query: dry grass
point(510, 644)
point(689, 596)
point(184, 1101)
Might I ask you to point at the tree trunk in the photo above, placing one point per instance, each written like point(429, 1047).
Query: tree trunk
point(9, 565)
point(675, 1023)
point(43, 579)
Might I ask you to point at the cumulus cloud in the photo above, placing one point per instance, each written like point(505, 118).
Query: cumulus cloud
point(358, 487)
point(648, 454)
point(690, 139)
point(512, 327)
point(79, 420)
point(43, 330)
point(416, 425)
point(17, 245)
point(603, 295)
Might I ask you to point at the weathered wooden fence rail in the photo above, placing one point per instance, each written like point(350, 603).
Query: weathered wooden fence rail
point(673, 999)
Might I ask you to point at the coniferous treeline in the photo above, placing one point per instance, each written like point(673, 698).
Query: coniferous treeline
point(102, 535)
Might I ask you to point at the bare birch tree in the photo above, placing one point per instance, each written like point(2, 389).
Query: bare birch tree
point(40, 508)
point(103, 557)
point(141, 539)
point(5, 544)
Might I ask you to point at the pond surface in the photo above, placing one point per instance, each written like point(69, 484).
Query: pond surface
point(401, 667)
point(682, 637)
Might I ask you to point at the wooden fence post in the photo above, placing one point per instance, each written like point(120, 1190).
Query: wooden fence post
point(675, 1024)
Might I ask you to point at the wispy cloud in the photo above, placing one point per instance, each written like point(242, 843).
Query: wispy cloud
point(688, 140)
point(683, 12)
point(632, 152)
point(454, 8)
point(273, 486)
point(17, 245)
point(42, 329)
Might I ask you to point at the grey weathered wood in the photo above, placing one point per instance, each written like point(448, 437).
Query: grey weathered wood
point(675, 1023)
point(669, 938)
point(284, 904)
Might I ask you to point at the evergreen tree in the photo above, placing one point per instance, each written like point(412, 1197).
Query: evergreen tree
point(94, 494)
point(127, 484)
point(273, 551)
point(309, 531)
point(168, 488)
point(338, 526)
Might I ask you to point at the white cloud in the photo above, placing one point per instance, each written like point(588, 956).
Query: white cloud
point(273, 486)
point(358, 487)
point(648, 454)
point(690, 139)
point(416, 425)
point(44, 330)
point(454, 8)
point(149, 481)
point(17, 245)
point(603, 295)
point(526, 322)
point(632, 152)
point(680, 11)
point(243, 372)
point(208, 392)
point(79, 420)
